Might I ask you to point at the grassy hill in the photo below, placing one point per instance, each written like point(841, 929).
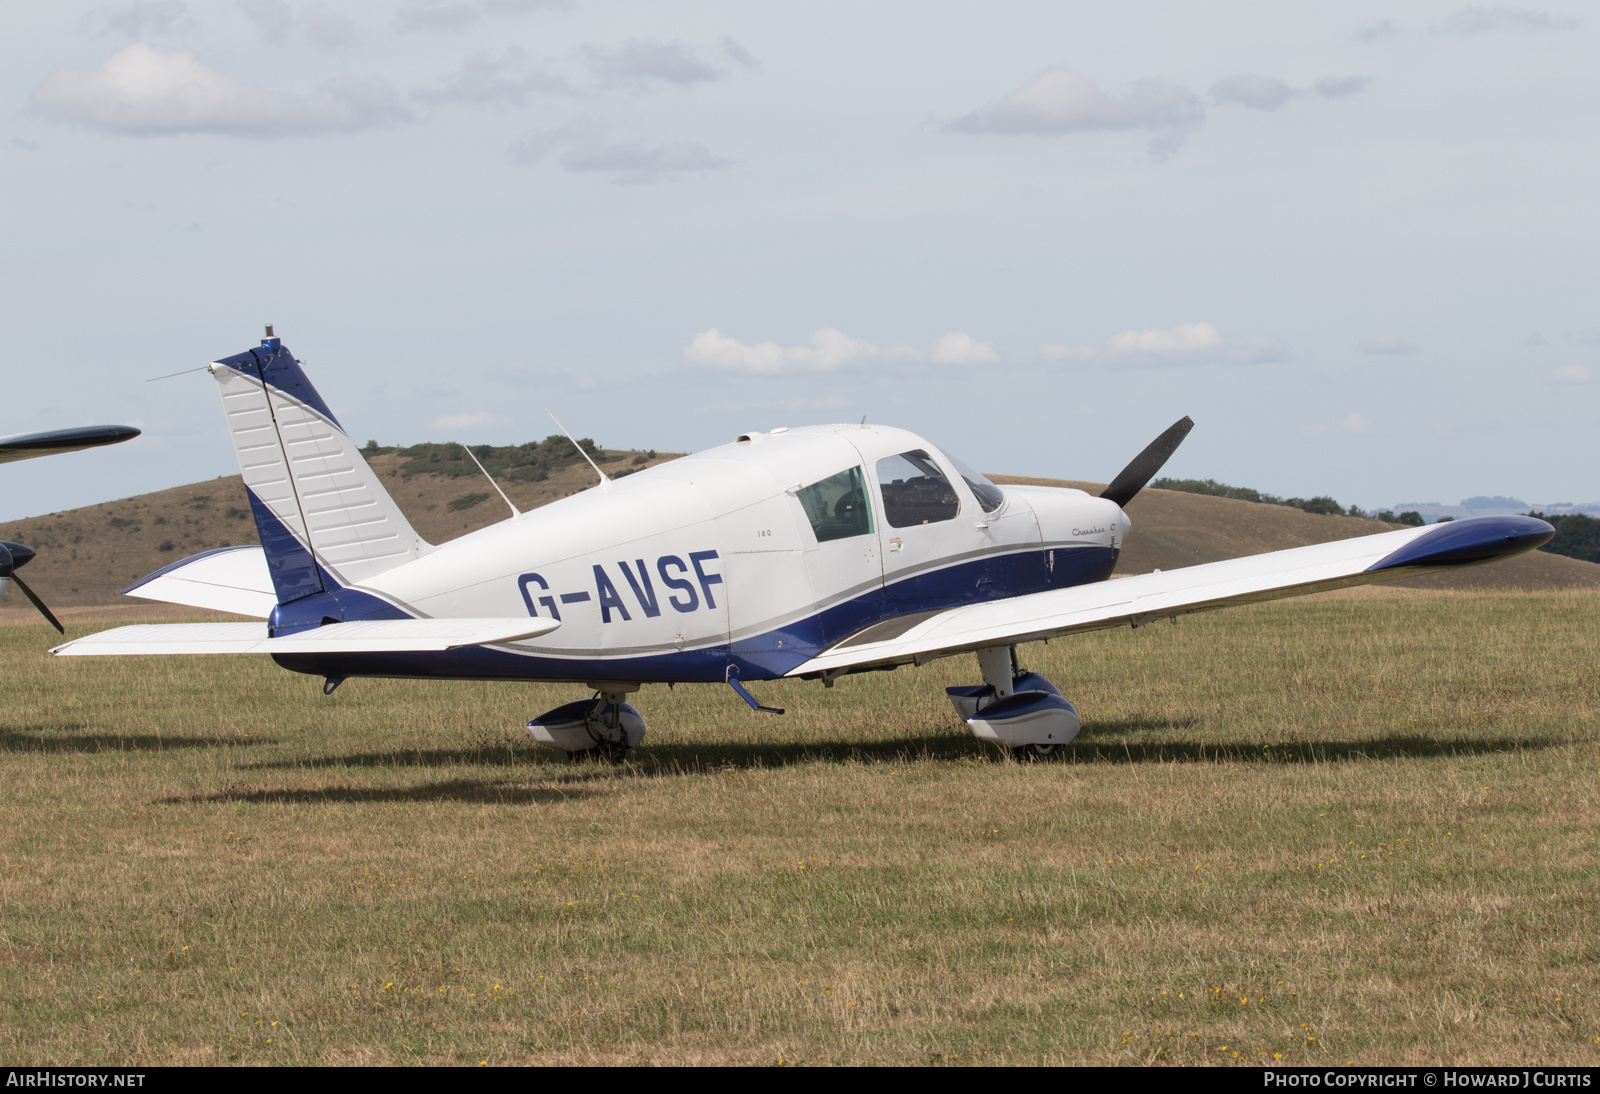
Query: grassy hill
point(1173, 529)
point(86, 556)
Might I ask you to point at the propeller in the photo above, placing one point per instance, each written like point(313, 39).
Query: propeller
point(14, 556)
point(1132, 478)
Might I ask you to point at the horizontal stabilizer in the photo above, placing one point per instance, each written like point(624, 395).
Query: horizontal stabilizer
point(229, 579)
point(371, 636)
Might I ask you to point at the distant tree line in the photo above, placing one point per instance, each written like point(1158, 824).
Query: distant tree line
point(1577, 536)
point(529, 462)
point(1321, 504)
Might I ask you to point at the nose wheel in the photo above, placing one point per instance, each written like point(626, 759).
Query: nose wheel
point(1019, 711)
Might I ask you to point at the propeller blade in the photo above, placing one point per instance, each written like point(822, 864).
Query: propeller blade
point(1132, 478)
point(37, 603)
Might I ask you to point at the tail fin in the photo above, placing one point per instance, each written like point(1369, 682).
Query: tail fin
point(320, 510)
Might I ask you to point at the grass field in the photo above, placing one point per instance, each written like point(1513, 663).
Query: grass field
point(1348, 828)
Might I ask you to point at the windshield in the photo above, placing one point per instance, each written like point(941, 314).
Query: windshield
point(990, 496)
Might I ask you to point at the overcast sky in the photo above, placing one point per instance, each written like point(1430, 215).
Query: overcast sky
point(1356, 242)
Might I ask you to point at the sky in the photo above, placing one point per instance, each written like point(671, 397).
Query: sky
point(1355, 242)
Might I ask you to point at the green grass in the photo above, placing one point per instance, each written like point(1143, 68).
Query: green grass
point(1349, 828)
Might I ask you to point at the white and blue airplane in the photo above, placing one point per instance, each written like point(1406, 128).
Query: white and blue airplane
point(808, 552)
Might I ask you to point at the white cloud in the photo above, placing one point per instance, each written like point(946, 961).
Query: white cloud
point(1058, 101)
point(506, 78)
point(588, 150)
point(1387, 345)
point(736, 52)
point(274, 21)
point(1193, 343)
point(329, 31)
point(829, 351)
point(433, 15)
point(1183, 339)
point(1352, 423)
point(636, 64)
point(438, 16)
point(143, 90)
point(462, 421)
point(522, 7)
point(1476, 20)
point(957, 348)
point(1333, 87)
point(1256, 92)
point(1052, 351)
point(272, 18)
point(1571, 374)
point(147, 17)
point(1374, 32)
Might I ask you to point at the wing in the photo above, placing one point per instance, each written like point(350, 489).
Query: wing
point(228, 579)
point(25, 446)
point(375, 636)
point(1135, 601)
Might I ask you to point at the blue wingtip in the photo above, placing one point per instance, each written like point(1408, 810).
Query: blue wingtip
point(1463, 542)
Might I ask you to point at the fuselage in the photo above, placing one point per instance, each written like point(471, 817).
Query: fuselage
point(749, 558)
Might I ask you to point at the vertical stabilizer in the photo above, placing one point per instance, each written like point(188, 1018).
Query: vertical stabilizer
point(319, 509)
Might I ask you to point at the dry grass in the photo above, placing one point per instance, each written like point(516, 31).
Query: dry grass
point(1356, 828)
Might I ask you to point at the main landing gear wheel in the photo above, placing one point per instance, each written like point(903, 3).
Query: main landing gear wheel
point(1037, 753)
point(600, 728)
point(606, 750)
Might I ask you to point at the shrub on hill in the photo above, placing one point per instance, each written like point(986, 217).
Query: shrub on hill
point(1410, 517)
point(529, 462)
point(1320, 504)
point(1577, 536)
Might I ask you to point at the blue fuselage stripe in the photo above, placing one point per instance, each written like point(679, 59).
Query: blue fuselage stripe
point(764, 656)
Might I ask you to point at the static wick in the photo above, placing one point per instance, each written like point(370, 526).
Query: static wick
point(603, 480)
point(497, 490)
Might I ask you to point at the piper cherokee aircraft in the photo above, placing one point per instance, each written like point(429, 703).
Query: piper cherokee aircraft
point(26, 446)
point(809, 552)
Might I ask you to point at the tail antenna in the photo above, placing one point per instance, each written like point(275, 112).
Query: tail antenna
point(497, 490)
point(603, 480)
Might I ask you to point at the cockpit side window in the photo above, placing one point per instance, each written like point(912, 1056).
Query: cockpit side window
point(990, 496)
point(915, 491)
point(837, 506)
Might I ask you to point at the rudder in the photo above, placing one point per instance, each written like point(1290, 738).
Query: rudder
point(319, 509)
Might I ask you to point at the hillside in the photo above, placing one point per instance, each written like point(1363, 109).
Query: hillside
point(1173, 529)
point(86, 556)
